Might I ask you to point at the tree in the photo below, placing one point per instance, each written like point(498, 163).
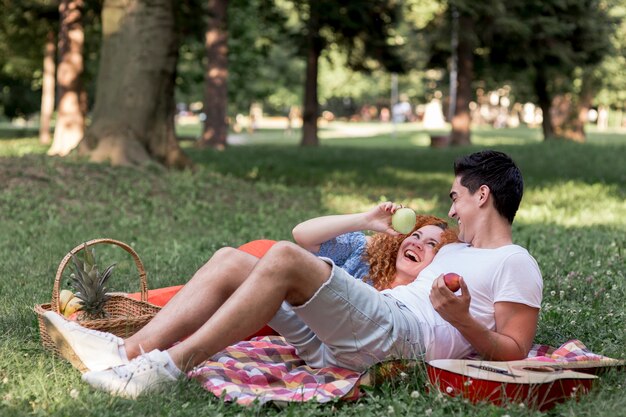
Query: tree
point(455, 42)
point(70, 124)
point(464, 53)
point(234, 40)
point(362, 28)
point(568, 112)
point(47, 90)
point(313, 46)
point(216, 76)
point(133, 117)
point(612, 91)
point(558, 42)
point(24, 27)
point(592, 40)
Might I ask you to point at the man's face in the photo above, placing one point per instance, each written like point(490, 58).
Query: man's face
point(463, 209)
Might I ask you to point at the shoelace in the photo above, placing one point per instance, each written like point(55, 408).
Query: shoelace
point(139, 365)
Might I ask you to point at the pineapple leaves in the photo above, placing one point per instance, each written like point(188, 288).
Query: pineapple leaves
point(89, 284)
point(89, 258)
point(106, 275)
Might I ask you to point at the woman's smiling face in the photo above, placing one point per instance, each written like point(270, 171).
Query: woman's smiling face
point(417, 251)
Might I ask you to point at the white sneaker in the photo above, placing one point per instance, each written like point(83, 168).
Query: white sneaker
point(146, 373)
point(86, 349)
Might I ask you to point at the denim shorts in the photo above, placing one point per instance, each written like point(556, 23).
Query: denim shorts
point(349, 324)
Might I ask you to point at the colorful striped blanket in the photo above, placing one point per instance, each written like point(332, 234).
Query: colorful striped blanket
point(267, 369)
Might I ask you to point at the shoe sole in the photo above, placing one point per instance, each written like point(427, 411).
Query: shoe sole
point(121, 389)
point(63, 345)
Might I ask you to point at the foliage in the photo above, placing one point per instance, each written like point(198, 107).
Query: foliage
point(573, 219)
point(361, 28)
point(263, 42)
point(258, 49)
point(517, 40)
point(436, 33)
point(553, 38)
point(613, 89)
point(343, 90)
point(265, 36)
point(23, 30)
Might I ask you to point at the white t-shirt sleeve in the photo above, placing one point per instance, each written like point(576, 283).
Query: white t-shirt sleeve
point(519, 281)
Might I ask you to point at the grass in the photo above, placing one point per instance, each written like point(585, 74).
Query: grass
point(573, 219)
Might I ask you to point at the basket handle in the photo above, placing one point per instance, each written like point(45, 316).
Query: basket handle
point(55, 304)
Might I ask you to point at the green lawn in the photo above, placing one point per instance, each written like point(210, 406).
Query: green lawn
point(573, 220)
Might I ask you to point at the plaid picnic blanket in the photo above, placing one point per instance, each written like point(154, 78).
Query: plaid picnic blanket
point(570, 351)
point(266, 369)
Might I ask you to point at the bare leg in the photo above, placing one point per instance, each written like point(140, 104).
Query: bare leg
point(286, 272)
point(195, 303)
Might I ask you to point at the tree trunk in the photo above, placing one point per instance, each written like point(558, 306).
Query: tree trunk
point(47, 90)
point(133, 117)
point(569, 114)
point(543, 98)
point(565, 117)
point(461, 132)
point(70, 124)
point(311, 104)
point(216, 77)
point(581, 113)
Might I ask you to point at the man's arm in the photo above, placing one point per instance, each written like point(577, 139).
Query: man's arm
point(516, 324)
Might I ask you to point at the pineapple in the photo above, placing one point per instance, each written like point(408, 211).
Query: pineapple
point(89, 285)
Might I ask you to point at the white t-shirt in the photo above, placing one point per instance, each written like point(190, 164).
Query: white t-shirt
point(508, 273)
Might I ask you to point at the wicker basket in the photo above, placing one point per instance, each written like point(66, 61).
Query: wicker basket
point(126, 315)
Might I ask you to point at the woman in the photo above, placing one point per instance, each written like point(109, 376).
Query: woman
point(384, 260)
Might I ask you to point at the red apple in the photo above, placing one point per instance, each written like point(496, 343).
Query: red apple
point(452, 281)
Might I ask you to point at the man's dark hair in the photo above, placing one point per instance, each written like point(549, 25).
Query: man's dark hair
point(497, 171)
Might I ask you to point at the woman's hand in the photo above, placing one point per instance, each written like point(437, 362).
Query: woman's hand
point(379, 217)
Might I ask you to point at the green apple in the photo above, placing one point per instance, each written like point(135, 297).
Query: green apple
point(403, 220)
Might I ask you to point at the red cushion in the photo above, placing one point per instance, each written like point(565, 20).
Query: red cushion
point(257, 248)
point(161, 296)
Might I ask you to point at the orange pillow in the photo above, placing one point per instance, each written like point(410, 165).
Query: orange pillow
point(258, 247)
point(161, 296)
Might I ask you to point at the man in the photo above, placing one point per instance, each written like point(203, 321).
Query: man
point(331, 318)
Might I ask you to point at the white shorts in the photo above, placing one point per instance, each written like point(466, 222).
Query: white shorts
point(349, 324)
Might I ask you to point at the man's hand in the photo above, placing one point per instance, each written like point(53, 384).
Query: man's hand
point(515, 323)
point(452, 308)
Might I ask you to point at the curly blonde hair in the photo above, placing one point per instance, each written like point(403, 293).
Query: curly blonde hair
point(382, 251)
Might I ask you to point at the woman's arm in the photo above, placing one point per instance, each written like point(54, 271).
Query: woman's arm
point(312, 233)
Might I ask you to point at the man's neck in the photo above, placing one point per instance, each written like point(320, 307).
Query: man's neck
point(492, 234)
